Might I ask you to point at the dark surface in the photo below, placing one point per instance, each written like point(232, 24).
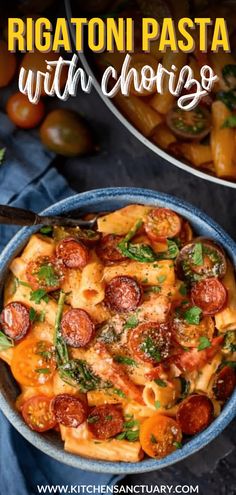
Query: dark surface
point(124, 161)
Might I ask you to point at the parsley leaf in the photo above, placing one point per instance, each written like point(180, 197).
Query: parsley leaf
point(204, 343)
point(157, 404)
point(161, 278)
point(183, 289)
point(46, 230)
point(32, 314)
point(160, 383)
point(5, 342)
point(39, 295)
point(119, 392)
point(132, 322)
point(48, 275)
point(178, 445)
point(230, 122)
point(150, 349)
point(125, 360)
point(2, 155)
point(197, 254)
point(193, 315)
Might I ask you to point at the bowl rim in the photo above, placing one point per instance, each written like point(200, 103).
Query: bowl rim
point(125, 195)
point(136, 133)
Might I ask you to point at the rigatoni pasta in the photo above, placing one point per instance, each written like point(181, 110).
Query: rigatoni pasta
point(121, 341)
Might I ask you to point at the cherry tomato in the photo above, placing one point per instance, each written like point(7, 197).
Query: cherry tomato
point(162, 223)
point(65, 133)
point(23, 113)
point(69, 410)
point(123, 294)
point(160, 435)
point(37, 61)
point(37, 413)
point(187, 334)
point(7, 64)
point(15, 320)
point(150, 342)
point(33, 362)
point(225, 383)
point(192, 124)
point(45, 273)
point(195, 413)
point(201, 259)
point(106, 421)
point(210, 295)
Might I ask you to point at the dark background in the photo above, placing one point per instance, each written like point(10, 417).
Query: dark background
point(123, 161)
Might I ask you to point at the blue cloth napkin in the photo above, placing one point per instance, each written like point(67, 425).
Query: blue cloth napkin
point(28, 181)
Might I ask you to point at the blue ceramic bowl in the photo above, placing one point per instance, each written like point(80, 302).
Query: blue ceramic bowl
point(100, 200)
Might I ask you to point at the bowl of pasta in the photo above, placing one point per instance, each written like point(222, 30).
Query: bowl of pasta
point(200, 141)
point(117, 343)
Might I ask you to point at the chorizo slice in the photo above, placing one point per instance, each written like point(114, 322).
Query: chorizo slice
point(73, 253)
point(123, 294)
point(210, 295)
point(195, 413)
point(15, 320)
point(106, 421)
point(69, 410)
point(225, 383)
point(107, 249)
point(77, 328)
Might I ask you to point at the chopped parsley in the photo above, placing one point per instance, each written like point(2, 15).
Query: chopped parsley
point(125, 360)
point(231, 364)
point(150, 349)
point(161, 279)
point(178, 445)
point(204, 343)
point(132, 322)
point(46, 230)
point(157, 404)
point(93, 419)
point(39, 295)
point(119, 392)
point(130, 431)
point(48, 275)
point(183, 289)
point(32, 315)
point(197, 254)
point(153, 438)
point(44, 371)
point(153, 288)
point(160, 383)
point(192, 315)
point(5, 342)
point(2, 155)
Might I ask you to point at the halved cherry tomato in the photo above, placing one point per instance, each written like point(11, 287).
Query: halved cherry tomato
point(210, 295)
point(77, 328)
point(123, 294)
point(201, 259)
point(107, 249)
point(37, 413)
point(160, 435)
point(15, 320)
point(7, 64)
point(150, 342)
point(187, 334)
point(195, 413)
point(23, 113)
point(45, 273)
point(192, 124)
point(162, 223)
point(106, 421)
point(225, 383)
point(33, 362)
point(73, 253)
point(69, 410)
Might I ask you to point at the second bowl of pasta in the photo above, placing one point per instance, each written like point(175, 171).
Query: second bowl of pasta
point(118, 342)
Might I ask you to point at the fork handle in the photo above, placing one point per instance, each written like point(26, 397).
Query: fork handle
point(18, 216)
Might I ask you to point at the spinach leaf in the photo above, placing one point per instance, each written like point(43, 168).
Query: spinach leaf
point(5, 342)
